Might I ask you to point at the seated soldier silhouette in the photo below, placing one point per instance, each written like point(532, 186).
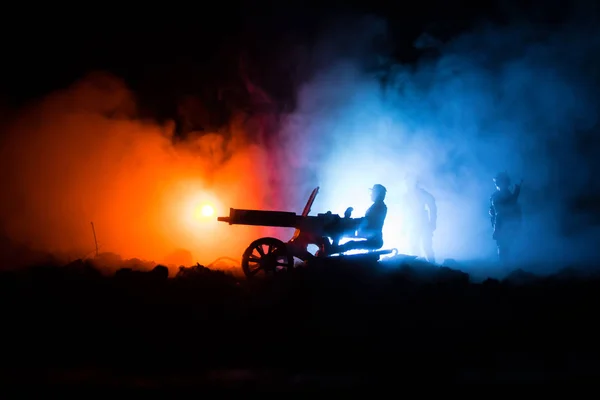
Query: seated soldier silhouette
point(370, 227)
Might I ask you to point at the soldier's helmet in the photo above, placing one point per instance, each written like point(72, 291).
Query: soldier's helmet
point(502, 178)
point(378, 190)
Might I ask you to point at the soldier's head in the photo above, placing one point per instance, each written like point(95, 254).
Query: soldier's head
point(502, 181)
point(378, 192)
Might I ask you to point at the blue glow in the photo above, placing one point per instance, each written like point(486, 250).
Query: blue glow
point(495, 99)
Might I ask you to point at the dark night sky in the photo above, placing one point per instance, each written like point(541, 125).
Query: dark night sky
point(164, 53)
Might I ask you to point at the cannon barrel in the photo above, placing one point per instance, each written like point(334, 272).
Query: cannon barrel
point(321, 224)
point(280, 219)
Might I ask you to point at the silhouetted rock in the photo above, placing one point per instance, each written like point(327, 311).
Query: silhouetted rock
point(201, 273)
point(491, 283)
point(451, 263)
point(445, 274)
point(160, 272)
point(520, 277)
point(125, 273)
point(157, 274)
point(108, 261)
point(138, 265)
point(82, 268)
point(337, 315)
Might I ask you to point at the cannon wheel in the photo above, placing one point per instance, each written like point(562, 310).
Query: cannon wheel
point(267, 256)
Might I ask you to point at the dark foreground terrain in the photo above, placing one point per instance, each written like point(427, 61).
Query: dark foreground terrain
point(335, 325)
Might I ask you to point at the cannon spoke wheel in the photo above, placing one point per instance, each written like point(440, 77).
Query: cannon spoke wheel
point(266, 256)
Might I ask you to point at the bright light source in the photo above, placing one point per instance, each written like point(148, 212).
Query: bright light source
point(208, 210)
point(202, 211)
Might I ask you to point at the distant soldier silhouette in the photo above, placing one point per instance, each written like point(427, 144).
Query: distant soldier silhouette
point(371, 225)
point(505, 215)
point(420, 218)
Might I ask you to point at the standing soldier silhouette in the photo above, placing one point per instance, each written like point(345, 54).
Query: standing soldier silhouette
point(420, 218)
point(505, 215)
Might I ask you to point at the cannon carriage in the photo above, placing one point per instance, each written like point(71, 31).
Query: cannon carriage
point(270, 255)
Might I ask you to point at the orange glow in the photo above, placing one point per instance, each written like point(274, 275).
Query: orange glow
point(77, 157)
point(199, 208)
point(207, 211)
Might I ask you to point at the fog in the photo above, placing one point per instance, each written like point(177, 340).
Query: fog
point(509, 98)
point(81, 155)
point(512, 98)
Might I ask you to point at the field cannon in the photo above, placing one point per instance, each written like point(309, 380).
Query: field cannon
point(271, 255)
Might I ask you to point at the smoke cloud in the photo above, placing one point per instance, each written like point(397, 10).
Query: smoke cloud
point(81, 156)
point(517, 98)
